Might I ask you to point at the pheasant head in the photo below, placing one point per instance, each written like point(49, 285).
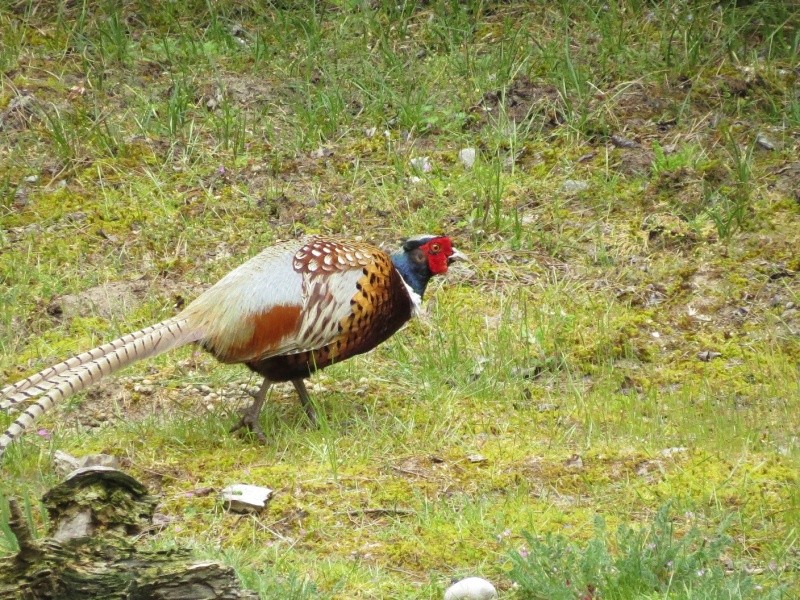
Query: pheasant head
point(424, 256)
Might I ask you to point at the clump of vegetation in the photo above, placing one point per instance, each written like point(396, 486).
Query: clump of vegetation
point(652, 561)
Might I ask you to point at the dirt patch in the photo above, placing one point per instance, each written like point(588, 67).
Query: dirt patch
point(241, 90)
point(521, 101)
point(638, 108)
point(787, 180)
point(634, 162)
point(109, 300)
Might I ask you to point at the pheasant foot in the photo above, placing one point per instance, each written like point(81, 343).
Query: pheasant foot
point(249, 418)
point(249, 421)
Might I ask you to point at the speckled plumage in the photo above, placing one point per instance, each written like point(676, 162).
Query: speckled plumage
point(296, 307)
point(379, 305)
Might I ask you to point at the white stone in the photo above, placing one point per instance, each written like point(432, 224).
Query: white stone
point(467, 157)
point(574, 186)
point(244, 498)
point(471, 588)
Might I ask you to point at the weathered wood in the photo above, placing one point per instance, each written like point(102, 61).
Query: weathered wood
point(91, 553)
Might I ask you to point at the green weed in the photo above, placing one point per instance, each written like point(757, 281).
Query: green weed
point(654, 561)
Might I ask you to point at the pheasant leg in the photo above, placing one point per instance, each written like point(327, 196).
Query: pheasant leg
point(249, 419)
point(308, 405)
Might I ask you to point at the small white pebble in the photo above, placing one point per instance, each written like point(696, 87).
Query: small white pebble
point(243, 498)
point(467, 157)
point(471, 588)
point(573, 186)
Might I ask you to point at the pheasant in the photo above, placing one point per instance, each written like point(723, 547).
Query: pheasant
point(295, 308)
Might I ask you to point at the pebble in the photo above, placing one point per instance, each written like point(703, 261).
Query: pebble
point(467, 157)
point(765, 142)
point(573, 186)
point(471, 588)
point(244, 498)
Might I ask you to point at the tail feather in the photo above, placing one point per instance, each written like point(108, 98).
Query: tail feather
point(66, 382)
point(42, 381)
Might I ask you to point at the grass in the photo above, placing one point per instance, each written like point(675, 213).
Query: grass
point(624, 226)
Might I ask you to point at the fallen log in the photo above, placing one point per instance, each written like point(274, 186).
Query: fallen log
point(97, 515)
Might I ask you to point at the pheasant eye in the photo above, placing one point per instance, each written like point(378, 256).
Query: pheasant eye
point(436, 248)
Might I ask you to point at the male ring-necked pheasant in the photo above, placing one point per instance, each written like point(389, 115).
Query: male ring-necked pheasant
point(296, 307)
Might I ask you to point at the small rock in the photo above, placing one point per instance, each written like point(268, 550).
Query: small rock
point(476, 458)
point(370, 132)
point(467, 157)
point(707, 355)
point(322, 152)
point(65, 463)
point(243, 498)
point(31, 179)
point(667, 452)
point(21, 198)
point(471, 588)
point(422, 163)
point(623, 142)
point(574, 462)
point(765, 142)
point(573, 186)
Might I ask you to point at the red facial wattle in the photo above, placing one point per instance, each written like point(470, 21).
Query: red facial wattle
point(438, 250)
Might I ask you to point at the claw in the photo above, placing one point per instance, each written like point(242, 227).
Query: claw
point(249, 422)
point(249, 418)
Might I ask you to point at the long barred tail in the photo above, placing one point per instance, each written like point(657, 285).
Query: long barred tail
point(71, 376)
point(44, 380)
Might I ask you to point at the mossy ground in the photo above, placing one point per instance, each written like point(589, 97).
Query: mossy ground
point(633, 211)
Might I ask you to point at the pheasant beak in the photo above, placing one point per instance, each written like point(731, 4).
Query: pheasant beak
point(456, 256)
